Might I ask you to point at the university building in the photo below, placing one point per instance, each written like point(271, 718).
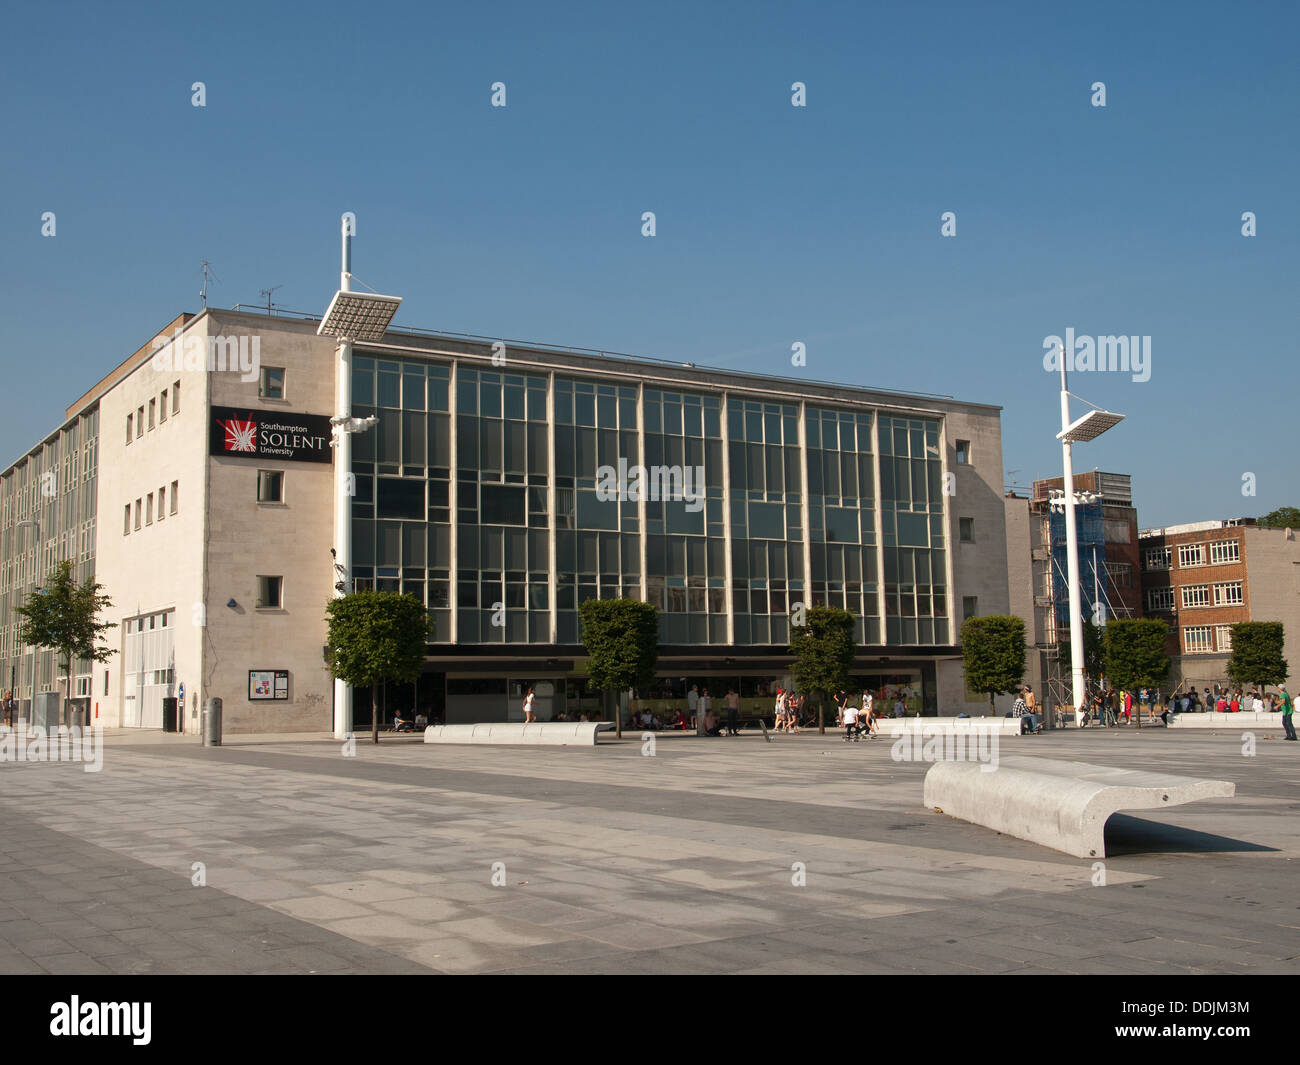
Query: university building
point(494, 485)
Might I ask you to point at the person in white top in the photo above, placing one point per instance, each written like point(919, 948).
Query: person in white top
point(529, 717)
point(850, 722)
point(865, 722)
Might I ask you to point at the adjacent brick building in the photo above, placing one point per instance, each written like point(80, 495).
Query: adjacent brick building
point(1204, 577)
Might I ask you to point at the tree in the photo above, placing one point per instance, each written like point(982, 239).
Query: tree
point(65, 616)
point(1257, 653)
point(823, 649)
point(1134, 654)
point(1282, 518)
point(621, 637)
point(1092, 650)
point(993, 654)
point(375, 637)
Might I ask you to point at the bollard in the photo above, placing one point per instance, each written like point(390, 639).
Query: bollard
point(212, 723)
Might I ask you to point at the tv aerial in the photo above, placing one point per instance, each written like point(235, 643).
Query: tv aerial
point(208, 272)
point(267, 293)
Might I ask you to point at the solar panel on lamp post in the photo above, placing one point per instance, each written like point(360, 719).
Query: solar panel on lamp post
point(351, 316)
point(1088, 427)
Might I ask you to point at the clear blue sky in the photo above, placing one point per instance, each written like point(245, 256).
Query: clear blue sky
point(775, 224)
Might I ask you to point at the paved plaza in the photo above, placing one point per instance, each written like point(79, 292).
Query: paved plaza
point(805, 855)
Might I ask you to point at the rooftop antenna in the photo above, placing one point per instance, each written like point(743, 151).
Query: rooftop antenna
point(267, 293)
point(207, 272)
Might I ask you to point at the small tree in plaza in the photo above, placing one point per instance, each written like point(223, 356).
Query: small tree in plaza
point(1093, 650)
point(823, 649)
point(1134, 654)
point(1257, 654)
point(64, 616)
point(375, 637)
point(993, 654)
point(621, 637)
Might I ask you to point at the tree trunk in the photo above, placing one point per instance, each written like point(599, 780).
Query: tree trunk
point(375, 710)
point(992, 709)
point(821, 719)
point(618, 713)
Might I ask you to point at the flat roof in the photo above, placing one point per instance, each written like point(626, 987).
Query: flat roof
point(1197, 526)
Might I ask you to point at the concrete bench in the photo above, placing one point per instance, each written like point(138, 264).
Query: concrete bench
point(1057, 804)
point(1213, 719)
point(897, 726)
point(544, 733)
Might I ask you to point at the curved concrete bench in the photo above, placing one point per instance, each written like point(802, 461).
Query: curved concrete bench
point(545, 733)
point(1057, 804)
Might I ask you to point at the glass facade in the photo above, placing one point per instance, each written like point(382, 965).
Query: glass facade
point(504, 500)
point(912, 529)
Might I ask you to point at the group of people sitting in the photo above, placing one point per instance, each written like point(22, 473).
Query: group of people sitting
point(406, 724)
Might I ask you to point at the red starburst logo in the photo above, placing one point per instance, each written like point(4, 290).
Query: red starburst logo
point(240, 436)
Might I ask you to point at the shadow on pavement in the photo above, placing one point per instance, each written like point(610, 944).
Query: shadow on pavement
point(1126, 834)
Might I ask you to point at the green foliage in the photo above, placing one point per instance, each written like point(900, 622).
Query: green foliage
point(1257, 653)
point(65, 617)
point(1093, 653)
point(823, 649)
point(376, 636)
point(621, 637)
point(1134, 653)
point(993, 654)
point(1282, 518)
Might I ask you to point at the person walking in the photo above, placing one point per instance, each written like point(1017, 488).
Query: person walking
point(529, 714)
point(693, 704)
point(1288, 708)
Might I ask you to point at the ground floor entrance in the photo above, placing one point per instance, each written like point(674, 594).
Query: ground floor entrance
point(472, 691)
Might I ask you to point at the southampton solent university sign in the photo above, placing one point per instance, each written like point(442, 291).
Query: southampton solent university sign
point(262, 434)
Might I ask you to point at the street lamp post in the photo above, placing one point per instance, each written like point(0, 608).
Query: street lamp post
point(1088, 427)
point(351, 316)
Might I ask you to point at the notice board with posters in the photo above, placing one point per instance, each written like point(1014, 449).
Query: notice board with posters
point(240, 432)
point(266, 684)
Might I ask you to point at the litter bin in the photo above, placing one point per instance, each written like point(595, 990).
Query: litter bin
point(212, 723)
point(169, 714)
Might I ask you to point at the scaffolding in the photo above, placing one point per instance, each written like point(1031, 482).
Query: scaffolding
point(1101, 598)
